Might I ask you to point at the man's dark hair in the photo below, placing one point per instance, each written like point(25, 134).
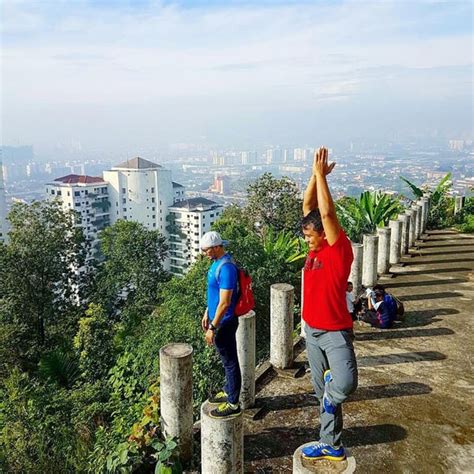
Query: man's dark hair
point(314, 219)
point(379, 293)
point(379, 288)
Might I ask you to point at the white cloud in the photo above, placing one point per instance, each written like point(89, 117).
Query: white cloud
point(281, 56)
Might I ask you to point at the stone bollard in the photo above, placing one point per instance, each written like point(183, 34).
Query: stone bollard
point(369, 261)
point(383, 253)
point(176, 393)
point(458, 204)
point(427, 196)
point(307, 466)
point(414, 208)
point(419, 220)
point(222, 443)
point(411, 234)
point(282, 298)
point(246, 349)
point(395, 241)
point(424, 213)
point(356, 269)
point(405, 233)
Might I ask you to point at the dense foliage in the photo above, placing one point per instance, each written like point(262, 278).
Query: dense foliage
point(363, 215)
point(79, 350)
point(442, 213)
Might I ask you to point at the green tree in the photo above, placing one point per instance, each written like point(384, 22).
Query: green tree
point(40, 286)
point(441, 205)
point(284, 246)
point(133, 267)
point(275, 202)
point(94, 343)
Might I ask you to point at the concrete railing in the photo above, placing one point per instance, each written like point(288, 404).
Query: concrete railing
point(378, 253)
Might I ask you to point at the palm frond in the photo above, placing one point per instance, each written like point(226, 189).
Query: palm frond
point(416, 190)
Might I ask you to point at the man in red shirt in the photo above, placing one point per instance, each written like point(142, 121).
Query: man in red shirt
point(328, 324)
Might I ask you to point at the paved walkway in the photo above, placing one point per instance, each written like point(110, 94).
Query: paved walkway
point(413, 410)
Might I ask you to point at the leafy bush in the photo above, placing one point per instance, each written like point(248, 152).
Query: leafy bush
point(464, 220)
point(363, 216)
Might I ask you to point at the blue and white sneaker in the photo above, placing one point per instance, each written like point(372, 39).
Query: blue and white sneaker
point(328, 406)
point(324, 451)
point(327, 376)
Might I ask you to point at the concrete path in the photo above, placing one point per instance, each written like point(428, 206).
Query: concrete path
point(413, 410)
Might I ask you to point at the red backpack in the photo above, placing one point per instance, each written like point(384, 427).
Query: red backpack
point(245, 300)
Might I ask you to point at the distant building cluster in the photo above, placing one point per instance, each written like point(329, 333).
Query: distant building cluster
point(142, 191)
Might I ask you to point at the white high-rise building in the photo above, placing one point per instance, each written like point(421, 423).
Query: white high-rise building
point(3, 208)
point(141, 191)
point(88, 197)
point(189, 220)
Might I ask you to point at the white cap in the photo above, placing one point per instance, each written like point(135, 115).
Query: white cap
point(212, 239)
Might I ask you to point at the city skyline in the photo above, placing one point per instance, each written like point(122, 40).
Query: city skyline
point(130, 75)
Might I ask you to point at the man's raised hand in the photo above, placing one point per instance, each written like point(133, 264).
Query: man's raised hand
point(320, 163)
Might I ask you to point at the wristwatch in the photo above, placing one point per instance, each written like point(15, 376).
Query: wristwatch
point(212, 327)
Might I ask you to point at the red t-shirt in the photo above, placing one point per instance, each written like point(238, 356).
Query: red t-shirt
point(325, 278)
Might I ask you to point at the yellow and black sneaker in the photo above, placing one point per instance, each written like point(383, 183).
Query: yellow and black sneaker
point(226, 410)
point(220, 397)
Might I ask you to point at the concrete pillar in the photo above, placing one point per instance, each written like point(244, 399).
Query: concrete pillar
point(411, 234)
point(369, 261)
point(405, 233)
point(395, 241)
point(414, 208)
point(428, 207)
point(281, 325)
point(222, 443)
point(356, 269)
point(246, 350)
point(176, 396)
point(383, 253)
point(424, 216)
point(419, 220)
point(306, 466)
point(458, 203)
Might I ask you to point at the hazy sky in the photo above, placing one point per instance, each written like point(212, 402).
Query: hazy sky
point(115, 73)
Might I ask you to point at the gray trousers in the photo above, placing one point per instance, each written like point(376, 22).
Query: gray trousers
point(332, 350)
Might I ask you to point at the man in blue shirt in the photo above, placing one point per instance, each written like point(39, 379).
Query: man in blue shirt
point(220, 323)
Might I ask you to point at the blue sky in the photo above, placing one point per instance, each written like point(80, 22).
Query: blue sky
point(122, 73)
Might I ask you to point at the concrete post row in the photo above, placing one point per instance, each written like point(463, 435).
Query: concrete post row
point(246, 350)
point(282, 298)
point(222, 443)
point(356, 269)
point(176, 391)
point(405, 219)
point(395, 241)
point(383, 254)
point(369, 260)
point(425, 203)
point(418, 219)
point(411, 234)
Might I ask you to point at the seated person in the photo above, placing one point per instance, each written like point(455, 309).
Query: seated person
point(379, 314)
point(351, 301)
